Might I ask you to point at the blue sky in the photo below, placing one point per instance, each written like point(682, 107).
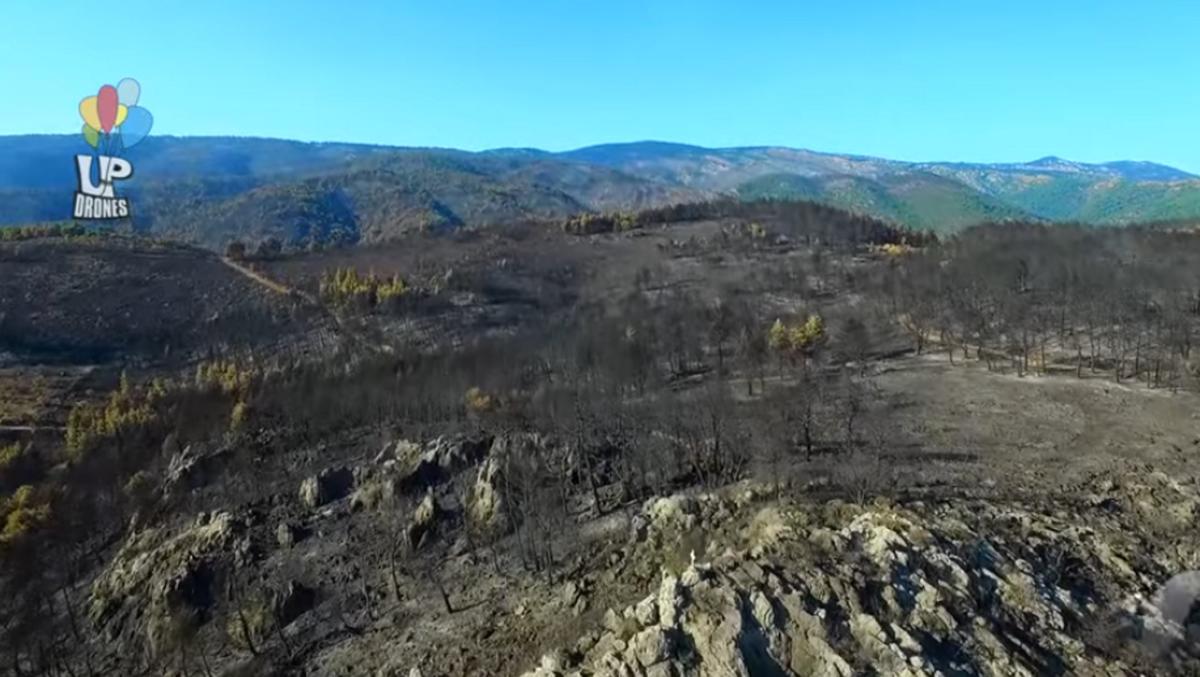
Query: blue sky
point(984, 81)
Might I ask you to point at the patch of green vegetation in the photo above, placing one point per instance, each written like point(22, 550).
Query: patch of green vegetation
point(65, 229)
point(846, 192)
point(943, 204)
point(935, 203)
point(1127, 202)
point(782, 186)
point(918, 200)
point(1058, 198)
point(1088, 199)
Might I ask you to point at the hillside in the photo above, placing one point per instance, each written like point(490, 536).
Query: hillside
point(213, 190)
point(1058, 190)
point(754, 438)
point(1049, 188)
point(920, 200)
point(90, 300)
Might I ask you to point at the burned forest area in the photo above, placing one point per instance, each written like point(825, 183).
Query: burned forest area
point(721, 438)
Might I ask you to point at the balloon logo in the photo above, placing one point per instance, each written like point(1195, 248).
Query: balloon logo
point(136, 126)
point(91, 136)
point(112, 117)
point(106, 107)
point(128, 91)
point(90, 113)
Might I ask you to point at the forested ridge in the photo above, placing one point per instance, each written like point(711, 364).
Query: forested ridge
point(210, 191)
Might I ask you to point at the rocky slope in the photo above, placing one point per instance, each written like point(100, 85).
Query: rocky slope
point(909, 589)
point(747, 580)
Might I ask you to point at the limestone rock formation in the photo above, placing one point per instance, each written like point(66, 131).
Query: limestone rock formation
point(486, 506)
point(423, 522)
point(158, 574)
point(835, 589)
point(421, 468)
point(328, 485)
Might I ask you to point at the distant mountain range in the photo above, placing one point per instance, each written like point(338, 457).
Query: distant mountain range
point(938, 196)
point(215, 189)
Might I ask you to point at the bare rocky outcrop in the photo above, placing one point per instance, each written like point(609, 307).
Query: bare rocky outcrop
point(488, 509)
point(741, 581)
point(374, 491)
point(836, 589)
point(288, 534)
point(486, 506)
point(423, 522)
point(328, 485)
point(418, 468)
point(158, 574)
point(182, 466)
point(191, 467)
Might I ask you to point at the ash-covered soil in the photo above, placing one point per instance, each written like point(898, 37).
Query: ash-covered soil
point(1041, 549)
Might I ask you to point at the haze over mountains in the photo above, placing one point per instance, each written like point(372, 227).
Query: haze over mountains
point(215, 189)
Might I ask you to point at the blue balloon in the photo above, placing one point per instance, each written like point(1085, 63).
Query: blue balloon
point(136, 126)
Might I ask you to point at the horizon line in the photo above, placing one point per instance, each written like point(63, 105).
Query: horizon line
point(682, 144)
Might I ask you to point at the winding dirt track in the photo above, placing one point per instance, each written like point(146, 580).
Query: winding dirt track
point(268, 282)
point(347, 330)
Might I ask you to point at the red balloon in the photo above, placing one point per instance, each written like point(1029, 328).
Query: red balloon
point(106, 107)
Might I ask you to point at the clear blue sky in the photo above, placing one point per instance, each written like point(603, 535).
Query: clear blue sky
point(986, 81)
